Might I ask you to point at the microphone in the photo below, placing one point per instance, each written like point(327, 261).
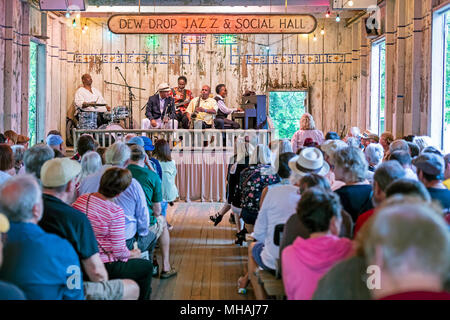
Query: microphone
point(117, 68)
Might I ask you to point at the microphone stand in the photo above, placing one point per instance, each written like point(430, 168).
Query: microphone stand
point(131, 96)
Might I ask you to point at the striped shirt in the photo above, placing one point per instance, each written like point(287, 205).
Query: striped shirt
point(108, 222)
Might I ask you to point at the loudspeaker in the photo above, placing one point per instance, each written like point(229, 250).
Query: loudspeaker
point(372, 28)
point(62, 5)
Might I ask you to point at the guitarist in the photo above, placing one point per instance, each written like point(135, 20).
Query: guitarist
point(182, 97)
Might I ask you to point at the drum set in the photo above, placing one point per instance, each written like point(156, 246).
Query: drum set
point(88, 119)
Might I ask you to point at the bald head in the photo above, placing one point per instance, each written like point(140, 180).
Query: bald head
point(86, 79)
point(206, 90)
point(21, 199)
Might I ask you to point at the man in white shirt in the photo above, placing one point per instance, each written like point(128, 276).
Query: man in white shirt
point(86, 95)
point(223, 111)
point(204, 108)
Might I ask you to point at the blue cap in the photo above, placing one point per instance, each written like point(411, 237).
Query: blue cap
point(54, 140)
point(136, 140)
point(148, 144)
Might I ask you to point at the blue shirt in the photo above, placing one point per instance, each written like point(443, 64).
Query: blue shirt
point(9, 291)
point(157, 167)
point(41, 264)
point(132, 201)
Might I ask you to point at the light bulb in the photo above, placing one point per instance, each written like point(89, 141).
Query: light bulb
point(338, 18)
point(322, 32)
point(78, 16)
point(74, 23)
point(86, 27)
point(67, 14)
point(327, 15)
point(350, 3)
point(305, 35)
point(315, 38)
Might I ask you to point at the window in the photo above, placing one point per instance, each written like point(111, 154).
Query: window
point(378, 87)
point(36, 93)
point(440, 79)
point(285, 111)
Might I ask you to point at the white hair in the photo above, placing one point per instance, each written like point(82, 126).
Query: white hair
point(374, 153)
point(412, 237)
point(399, 144)
point(261, 155)
point(18, 196)
point(117, 154)
point(354, 132)
point(423, 142)
point(329, 147)
point(91, 162)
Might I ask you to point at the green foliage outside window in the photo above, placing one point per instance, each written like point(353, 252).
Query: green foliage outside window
point(285, 110)
point(382, 85)
point(32, 94)
point(446, 132)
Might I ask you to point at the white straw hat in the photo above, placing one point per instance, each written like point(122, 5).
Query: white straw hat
point(163, 87)
point(310, 160)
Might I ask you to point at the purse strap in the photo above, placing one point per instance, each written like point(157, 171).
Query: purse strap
point(108, 254)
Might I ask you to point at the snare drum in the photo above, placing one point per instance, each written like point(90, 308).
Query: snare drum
point(87, 120)
point(108, 116)
point(121, 112)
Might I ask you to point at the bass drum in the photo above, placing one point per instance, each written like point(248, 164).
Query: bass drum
point(114, 136)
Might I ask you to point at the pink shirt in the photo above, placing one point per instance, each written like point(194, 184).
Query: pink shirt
point(299, 138)
point(108, 222)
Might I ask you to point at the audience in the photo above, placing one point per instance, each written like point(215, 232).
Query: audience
point(350, 166)
point(35, 157)
point(43, 265)
point(307, 130)
point(23, 140)
point(307, 260)
point(447, 171)
point(331, 135)
point(84, 144)
point(19, 153)
point(7, 169)
point(11, 137)
point(108, 223)
point(154, 163)
point(58, 178)
point(404, 159)
point(162, 153)
point(374, 155)
point(398, 145)
point(410, 244)
point(132, 200)
point(430, 170)
point(101, 151)
point(252, 182)
point(8, 291)
point(91, 163)
point(278, 205)
point(422, 142)
point(386, 173)
point(151, 184)
point(408, 187)
point(328, 148)
point(413, 149)
point(2, 138)
point(56, 142)
point(386, 139)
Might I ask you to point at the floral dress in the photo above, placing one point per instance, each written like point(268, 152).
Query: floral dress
point(252, 182)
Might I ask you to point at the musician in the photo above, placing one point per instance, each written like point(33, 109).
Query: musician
point(182, 97)
point(223, 111)
point(204, 108)
point(87, 96)
point(160, 111)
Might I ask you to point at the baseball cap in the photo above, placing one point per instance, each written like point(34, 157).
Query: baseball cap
point(4, 223)
point(148, 144)
point(54, 140)
point(59, 171)
point(136, 140)
point(431, 164)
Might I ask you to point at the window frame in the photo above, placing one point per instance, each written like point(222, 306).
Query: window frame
point(375, 86)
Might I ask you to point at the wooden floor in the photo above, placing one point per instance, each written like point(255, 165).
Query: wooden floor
point(208, 262)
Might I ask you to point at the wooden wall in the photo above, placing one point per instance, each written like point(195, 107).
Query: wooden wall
point(14, 52)
point(337, 66)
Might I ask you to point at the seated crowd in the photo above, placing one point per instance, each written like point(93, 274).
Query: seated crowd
point(85, 227)
point(362, 217)
point(322, 206)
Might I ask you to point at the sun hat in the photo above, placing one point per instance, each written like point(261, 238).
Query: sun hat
point(59, 171)
point(310, 160)
point(163, 87)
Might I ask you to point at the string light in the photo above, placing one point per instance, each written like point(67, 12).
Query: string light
point(322, 32)
point(338, 18)
point(350, 3)
point(78, 15)
point(67, 14)
point(328, 14)
point(74, 23)
point(315, 38)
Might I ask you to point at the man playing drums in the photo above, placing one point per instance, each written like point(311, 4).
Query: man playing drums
point(88, 99)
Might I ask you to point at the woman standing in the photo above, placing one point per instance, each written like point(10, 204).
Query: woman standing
point(162, 153)
point(307, 130)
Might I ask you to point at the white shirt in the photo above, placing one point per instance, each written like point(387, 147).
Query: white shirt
point(84, 95)
point(222, 107)
point(410, 174)
point(279, 205)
